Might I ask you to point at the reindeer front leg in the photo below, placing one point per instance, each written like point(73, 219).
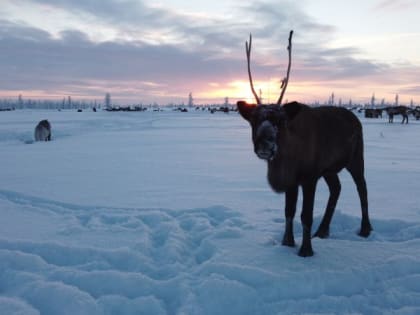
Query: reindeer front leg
point(290, 210)
point(307, 217)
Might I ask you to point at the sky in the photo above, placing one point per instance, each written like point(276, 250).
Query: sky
point(159, 51)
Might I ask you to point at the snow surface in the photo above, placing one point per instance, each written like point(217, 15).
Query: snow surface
point(170, 213)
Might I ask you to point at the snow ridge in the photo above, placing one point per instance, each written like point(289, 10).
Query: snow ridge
point(188, 262)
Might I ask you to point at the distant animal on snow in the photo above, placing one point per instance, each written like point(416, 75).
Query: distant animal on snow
point(416, 112)
point(300, 145)
point(43, 131)
point(373, 113)
point(397, 110)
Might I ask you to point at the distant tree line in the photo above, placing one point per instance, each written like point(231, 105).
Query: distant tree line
point(372, 102)
point(65, 103)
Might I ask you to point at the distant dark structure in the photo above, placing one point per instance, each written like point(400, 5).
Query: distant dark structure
point(397, 110)
point(43, 131)
point(302, 144)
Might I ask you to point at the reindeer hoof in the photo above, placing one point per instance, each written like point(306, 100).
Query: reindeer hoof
point(306, 252)
point(288, 241)
point(322, 233)
point(365, 230)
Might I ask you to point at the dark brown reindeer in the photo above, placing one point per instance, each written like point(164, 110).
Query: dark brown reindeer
point(302, 144)
point(397, 110)
point(373, 112)
point(416, 112)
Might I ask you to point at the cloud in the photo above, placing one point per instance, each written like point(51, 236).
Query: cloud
point(396, 4)
point(135, 19)
point(35, 60)
point(121, 11)
point(412, 89)
point(14, 30)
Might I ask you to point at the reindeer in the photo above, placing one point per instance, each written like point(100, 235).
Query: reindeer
point(373, 113)
point(43, 131)
point(416, 112)
point(397, 110)
point(300, 145)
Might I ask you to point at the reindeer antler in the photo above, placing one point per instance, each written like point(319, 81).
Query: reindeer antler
point(285, 81)
point(248, 57)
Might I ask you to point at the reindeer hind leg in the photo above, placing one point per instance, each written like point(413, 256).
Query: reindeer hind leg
point(334, 186)
point(356, 169)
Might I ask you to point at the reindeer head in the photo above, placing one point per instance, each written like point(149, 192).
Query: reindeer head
point(266, 123)
point(265, 120)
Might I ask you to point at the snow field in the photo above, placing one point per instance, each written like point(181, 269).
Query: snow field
point(168, 213)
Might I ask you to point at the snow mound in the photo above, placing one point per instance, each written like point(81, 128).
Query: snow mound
point(198, 261)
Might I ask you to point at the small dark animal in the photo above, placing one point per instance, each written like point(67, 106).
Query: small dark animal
point(397, 110)
point(224, 109)
point(416, 113)
point(302, 144)
point(43, 131)
point(373, 113)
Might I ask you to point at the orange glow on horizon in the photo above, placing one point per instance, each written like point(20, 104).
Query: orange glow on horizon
point(269, 91)
point(127, 92)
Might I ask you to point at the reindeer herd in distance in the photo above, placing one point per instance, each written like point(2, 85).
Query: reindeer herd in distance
point(392, 111)
point(369, 111)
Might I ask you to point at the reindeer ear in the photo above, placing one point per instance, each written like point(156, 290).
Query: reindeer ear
point(246, 110)
point(292, 109)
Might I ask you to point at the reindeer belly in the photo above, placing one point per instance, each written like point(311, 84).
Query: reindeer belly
point(334, 160)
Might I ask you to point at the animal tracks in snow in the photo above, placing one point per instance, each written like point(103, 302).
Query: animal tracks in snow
point(105, 260)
